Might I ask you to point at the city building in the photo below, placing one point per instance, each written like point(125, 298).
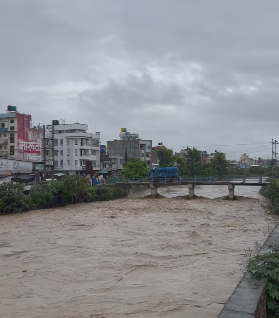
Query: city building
point(74, 147)
point(245, 161)
point(154, 154)
point(18, 139)
point(111, 165)
point(130, 146)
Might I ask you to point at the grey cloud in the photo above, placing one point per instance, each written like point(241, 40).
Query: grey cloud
point(182, 72)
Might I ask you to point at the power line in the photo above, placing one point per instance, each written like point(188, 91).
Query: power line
point(250, 150)
point(261, 143)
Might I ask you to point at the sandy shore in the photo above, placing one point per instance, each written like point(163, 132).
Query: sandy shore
point(127, 258)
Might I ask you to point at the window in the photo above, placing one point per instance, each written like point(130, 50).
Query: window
point(61, 152)
point(47, 152)
point(56, 153)
point(104, 165)
point(12, 138)
point(81, 162)
point(0, 135)
point(68, 152)
point(55, 142)
point(68, 162)
point(3, 125)
point(94, 163)
point(81, 142)
point(68, 142)
point(61, 142)
point(76, 152)
point(76, 141)
point(148, 147)
point(5, 147)
point(122, 161)
point(93, 152)
point(0, 147)
point(55, 163)
point(12, 121)
point(12, 150)
point(61, 162)
point(95, 142)
point(5, 135)
point(76, 162)
point(12, 128)
point(142, 154)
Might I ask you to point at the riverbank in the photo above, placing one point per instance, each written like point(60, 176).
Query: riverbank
point(142, 258)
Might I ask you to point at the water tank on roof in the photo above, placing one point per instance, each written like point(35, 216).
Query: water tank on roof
point(123, 129)
point(11, 108)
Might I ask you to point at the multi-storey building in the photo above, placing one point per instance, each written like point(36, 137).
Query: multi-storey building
point(73, 147)
point(111, 165)
point(18, 140)
point(245, 160)
point(131, 146)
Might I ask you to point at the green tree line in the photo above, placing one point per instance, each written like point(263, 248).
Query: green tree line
point(191, 164)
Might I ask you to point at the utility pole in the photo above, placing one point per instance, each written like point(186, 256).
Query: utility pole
point(272, 150)
point(275, 153)
point(44, 150)
point(52, 150)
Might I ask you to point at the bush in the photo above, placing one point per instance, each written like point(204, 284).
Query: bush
point(265, 268)
point(42, 195)
point(272, 192)
point(103, 194)
point(12, 198)
point(72, 189)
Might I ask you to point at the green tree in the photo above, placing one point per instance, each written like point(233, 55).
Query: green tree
point(219, 164)
point(181, 165)
point(165, 157)
point(194, 166)
point(135, 168)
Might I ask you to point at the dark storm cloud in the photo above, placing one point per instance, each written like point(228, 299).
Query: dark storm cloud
point(182, 72)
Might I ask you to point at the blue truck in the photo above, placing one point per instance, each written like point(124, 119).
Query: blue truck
point(163, 172)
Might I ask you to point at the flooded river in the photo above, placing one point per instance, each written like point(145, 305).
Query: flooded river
point(133, 257)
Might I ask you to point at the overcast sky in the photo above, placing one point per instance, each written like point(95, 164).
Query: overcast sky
point(181, 72)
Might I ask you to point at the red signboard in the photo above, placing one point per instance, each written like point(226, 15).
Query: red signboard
point(29, 139)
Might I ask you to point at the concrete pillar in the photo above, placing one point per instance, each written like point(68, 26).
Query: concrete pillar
point(153, 191)
point(231, 191)
point(191, 188)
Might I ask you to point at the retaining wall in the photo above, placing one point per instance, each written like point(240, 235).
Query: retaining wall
point(129, 188)
point(249, 297)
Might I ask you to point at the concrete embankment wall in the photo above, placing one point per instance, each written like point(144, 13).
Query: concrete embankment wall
point(129, 188)
point(249, 297)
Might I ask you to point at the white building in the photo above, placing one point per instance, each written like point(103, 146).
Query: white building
point(73, 146)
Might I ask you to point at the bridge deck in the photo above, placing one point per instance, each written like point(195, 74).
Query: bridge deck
point(196, 183)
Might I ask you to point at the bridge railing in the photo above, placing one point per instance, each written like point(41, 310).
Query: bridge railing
point(187, 179)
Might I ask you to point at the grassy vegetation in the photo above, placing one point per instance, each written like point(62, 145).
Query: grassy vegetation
point(266, 269)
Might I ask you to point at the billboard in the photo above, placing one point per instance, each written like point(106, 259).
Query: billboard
point(29, 139)
point(8, 167)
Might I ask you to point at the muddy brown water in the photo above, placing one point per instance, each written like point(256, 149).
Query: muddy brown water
point(132, 257)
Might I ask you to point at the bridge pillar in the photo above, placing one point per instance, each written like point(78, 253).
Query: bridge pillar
point(154, 192)
point(231, 191)
point(191, 188)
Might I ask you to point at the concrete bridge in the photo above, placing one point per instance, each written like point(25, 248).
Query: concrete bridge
point(154, 183)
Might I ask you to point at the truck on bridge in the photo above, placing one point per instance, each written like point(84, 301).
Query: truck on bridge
point(162, 172)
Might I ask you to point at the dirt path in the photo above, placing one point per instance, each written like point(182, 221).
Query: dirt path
point(126, 258)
